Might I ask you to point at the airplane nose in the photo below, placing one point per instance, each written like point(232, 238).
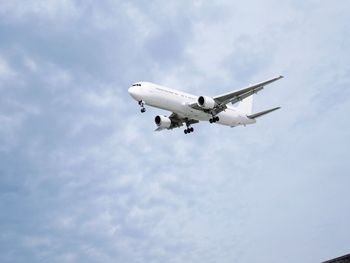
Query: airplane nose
point(132, 91)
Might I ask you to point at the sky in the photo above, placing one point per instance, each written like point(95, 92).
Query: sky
point(84, 177)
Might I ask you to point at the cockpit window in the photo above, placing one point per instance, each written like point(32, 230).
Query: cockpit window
point(137, 84)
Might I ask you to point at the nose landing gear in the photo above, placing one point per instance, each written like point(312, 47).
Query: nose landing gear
point(142, 104)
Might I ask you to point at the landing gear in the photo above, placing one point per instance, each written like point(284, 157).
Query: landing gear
point(188, 130)
point(142, 104)
point(214, 119)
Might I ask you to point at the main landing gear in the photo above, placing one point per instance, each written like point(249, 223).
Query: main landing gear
point(188, 130)
point(214, 119)
point(142, 104)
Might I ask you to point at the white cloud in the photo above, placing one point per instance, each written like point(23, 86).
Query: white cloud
point(30, 64)
point(57, 78)
point(106, 97)
point(53, 9)
point(37, 241)
point(5, 71)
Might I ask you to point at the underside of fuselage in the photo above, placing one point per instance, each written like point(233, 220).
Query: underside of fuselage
point(229, 117)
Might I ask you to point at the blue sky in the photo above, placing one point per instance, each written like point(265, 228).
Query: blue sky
point(83, 177)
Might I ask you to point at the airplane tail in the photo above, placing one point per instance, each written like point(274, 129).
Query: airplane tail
point(246, 105)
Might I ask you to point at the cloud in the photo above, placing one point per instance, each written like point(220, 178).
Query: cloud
point(83, 176)
point(41, 9)
point(5, 69)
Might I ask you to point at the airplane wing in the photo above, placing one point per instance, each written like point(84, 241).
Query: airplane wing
point(177, 121)
point(238, 95)
point(235, 96)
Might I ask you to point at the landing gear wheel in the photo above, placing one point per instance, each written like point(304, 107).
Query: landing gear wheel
point(188, 130)
point(214, 119)
point(142, 104)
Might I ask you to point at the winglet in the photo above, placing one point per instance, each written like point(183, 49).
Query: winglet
point(276, 78)
point(261, 113)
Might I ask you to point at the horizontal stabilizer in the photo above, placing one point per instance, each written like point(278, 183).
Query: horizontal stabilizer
point(159, 129)
point(261, 113)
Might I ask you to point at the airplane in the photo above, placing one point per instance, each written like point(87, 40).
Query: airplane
point(189, 109)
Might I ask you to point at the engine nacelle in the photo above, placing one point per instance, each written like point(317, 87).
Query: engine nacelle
point(206, 102)
point(162, 121)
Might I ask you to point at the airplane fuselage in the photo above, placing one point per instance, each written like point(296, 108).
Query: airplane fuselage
point(178, 102)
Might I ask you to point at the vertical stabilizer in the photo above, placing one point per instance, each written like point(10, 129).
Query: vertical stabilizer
point(246, 105)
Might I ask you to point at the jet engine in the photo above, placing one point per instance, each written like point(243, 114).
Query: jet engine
point(206, 102)
point(162, 121)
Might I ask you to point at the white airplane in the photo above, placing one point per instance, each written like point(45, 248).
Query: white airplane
point(189, 109)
